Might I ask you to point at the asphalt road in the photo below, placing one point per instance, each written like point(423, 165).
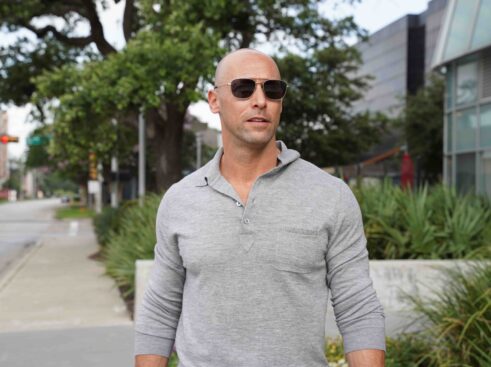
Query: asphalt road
point(21, 225)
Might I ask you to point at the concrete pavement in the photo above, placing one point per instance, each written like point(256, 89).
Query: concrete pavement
point(57, 308)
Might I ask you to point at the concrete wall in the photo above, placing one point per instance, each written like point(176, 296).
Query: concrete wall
point(391, 279)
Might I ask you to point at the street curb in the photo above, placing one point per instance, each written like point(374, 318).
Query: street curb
point(17, 266)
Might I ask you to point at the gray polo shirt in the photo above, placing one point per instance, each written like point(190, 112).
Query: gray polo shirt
point(247, 285)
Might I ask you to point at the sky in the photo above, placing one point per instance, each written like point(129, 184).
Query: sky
point(371, 15)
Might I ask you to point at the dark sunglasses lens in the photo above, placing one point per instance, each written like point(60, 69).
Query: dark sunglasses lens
point(243, 88)
point(274, 89)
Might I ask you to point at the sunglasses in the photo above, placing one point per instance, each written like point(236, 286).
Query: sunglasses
point(244, 88)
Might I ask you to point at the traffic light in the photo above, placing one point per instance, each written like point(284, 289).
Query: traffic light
point(92, 166)
point(5, 139)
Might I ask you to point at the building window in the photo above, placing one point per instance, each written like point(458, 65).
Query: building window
point(466, 83)
point(486, 173)
point(482, 34)
point(486, 74)
point(449, 88)
point(466, 173)
point(485, 129)
point(459, 32)
point(465, 129)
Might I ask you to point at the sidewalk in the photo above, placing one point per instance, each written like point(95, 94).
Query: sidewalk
point(57, 308)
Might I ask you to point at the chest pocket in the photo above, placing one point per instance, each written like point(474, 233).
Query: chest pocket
point(299, 250)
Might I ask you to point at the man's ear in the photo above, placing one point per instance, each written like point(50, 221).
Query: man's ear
point(213, 101)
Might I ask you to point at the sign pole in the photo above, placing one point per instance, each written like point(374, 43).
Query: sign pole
point(141, 158)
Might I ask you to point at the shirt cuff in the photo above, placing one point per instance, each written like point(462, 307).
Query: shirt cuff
point(366, 338)
point(150, 344)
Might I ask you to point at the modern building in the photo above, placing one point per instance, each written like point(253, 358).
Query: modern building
point(398, 57)
point(463, 55)
point(4, 169)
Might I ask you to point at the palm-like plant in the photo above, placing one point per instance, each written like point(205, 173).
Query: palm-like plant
point(424, 223)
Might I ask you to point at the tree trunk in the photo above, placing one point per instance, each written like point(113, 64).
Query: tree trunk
point(167, 144)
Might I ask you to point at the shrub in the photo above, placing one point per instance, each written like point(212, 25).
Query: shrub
point(107, 223)
point(408, 350)
point(135, 239)
point(424, 223)
point(460, 319)
point(335, 353)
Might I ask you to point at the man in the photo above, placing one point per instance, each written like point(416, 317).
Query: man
point(248, 246)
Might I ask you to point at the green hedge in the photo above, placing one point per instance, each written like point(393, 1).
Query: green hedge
point(107, 223)
point(134, 239)
point(426, 223)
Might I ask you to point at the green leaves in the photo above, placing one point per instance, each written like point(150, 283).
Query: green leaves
point(317, 118)
point(423, 124)
point(134, 239)
point(460, 319)
point(424, 224)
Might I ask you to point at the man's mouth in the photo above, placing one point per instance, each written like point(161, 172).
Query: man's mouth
point(258, 119)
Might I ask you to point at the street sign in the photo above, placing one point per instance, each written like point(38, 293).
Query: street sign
point(37, 140)
point(94, 187)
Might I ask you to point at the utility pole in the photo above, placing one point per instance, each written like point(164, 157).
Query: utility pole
point(114, 174)
point(141, 157)
point(98, 194)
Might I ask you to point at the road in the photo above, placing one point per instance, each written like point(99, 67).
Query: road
point(21, 225)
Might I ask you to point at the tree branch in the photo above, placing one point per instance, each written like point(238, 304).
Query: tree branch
point(96, 30)
point(128, 19)
point(72, 41)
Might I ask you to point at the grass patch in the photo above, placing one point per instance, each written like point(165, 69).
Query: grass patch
point(74, 212)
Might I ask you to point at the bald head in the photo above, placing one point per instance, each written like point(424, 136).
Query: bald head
point(230, 64)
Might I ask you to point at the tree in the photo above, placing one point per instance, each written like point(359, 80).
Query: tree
point(37, 155)
point(318, 120)
point(170, 56)
point(422, 119)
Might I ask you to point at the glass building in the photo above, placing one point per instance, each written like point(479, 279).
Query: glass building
point(463, 54)
point(399, 57)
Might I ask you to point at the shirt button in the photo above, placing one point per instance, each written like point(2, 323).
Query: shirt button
point(238, 204)
point(246, 221)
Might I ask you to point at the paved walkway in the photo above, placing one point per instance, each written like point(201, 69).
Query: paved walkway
point(57, 308)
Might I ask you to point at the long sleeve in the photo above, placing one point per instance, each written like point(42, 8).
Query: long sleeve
point(359, 314)
point(159, 313)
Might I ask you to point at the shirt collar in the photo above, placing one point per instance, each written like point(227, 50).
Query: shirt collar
point(212, 172)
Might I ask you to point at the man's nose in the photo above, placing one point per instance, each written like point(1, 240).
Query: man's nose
point(258, 97)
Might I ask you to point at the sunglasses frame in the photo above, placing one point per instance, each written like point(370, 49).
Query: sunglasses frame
point(256, 83)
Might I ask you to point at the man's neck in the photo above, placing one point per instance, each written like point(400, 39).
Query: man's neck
point(243, 165)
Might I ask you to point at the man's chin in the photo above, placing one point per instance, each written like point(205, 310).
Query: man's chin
point(258, 140)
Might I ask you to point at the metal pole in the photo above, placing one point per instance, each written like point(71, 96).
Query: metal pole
point(141, 158)
point(115, 176)
point(98, 194)
point(198, 149)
